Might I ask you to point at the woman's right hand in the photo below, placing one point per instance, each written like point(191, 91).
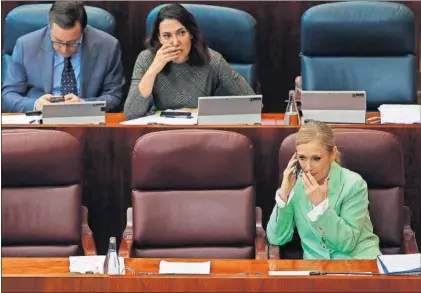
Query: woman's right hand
point(165, 54)
point(289, 178)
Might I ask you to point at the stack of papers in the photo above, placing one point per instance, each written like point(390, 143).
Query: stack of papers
point(166, 120)
point(93, 264)
point(399, 263)
point(198, 268)
point(402, 114)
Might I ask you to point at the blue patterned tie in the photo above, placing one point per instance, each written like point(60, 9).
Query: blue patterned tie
point(68, 79)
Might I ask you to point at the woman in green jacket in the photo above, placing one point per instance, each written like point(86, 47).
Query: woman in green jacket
point(328, 204)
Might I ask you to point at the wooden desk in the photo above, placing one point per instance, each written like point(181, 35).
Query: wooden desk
point(51, 275)
point(268, 119)
point(107, 151)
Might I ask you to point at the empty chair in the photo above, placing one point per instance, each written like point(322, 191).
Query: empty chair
point(377, 157)
point(364, 46)
point(193, 197)
point(42, 215)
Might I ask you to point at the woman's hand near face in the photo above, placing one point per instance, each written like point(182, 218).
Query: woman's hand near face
point(289, 178)
point(165, 54)
point(315, 192)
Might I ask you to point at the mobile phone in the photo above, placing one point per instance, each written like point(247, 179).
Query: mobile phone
point(56, 99)
point(297, 167)
point(171, 113)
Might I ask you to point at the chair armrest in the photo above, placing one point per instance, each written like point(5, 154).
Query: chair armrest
point(88, 243)
point(260, 241)
point(409, 240)
point(127, 239)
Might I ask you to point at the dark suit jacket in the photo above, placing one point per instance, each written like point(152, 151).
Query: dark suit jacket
point(30, 70)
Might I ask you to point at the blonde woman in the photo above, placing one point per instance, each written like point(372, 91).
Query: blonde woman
point(328, 204)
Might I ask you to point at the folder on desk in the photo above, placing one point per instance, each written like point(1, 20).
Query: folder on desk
point(401, 114)
point(399, 263)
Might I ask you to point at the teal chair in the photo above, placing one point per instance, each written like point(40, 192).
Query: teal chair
point(31, 17)
point(361, 45)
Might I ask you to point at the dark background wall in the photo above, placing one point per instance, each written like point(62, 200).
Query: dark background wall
point(277, 42)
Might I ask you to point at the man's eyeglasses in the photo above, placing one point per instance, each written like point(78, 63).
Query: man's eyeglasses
point(68, 44)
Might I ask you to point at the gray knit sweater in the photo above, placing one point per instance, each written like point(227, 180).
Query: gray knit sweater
point(182, 85)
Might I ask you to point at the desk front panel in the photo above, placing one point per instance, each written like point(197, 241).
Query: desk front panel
point(51, 275)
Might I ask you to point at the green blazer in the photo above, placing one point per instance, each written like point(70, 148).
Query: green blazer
point(343, 231)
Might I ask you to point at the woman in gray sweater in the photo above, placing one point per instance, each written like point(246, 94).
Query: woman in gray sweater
point(178, 67)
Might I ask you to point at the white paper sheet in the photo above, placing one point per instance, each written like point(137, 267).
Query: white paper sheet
point(399, 263)
point(200, 268)
point(91, 263)
point(19, 119)
point(402, 114)
point(154, 119)
point(157, 119)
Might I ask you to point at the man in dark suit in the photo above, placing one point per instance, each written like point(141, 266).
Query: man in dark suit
point(67, 58)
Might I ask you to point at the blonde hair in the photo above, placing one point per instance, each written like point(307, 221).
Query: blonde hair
point(317, 130)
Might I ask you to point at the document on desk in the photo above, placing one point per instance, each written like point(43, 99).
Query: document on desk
point(93, 264)
point(399, 263)
point(197, 268)
point(165, 120)
point(19, 119)
point(401, 114)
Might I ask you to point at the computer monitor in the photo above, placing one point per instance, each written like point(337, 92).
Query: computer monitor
point(74, 113)
point(233, 110)
point(334, 106)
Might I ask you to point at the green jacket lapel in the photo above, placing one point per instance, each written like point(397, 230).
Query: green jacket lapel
point(336, 184)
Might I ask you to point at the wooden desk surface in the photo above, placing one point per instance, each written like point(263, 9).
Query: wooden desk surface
point(268, 120)
point(51, 275)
